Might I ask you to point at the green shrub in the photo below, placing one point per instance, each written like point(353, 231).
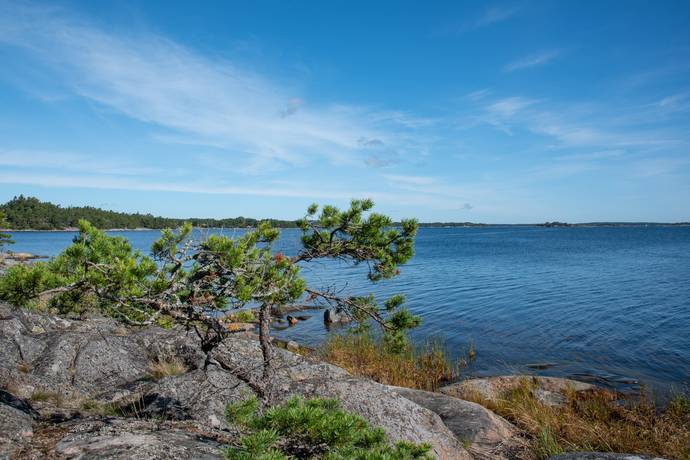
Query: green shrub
point(244, 316)
point(313, 428)
point(22, 283)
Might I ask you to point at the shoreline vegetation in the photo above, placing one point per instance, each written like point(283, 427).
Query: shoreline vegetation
point(555, 415)
point(29, 214)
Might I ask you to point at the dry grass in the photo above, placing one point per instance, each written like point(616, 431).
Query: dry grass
point(53, 397)
point(426, 368)
point(596, 421)
point(166, 368)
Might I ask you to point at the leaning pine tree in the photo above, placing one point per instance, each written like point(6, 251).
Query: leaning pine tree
point(194, 282)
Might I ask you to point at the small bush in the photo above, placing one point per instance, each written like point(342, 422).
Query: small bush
point(423, 368)
point(244, 316)
point(314, 428)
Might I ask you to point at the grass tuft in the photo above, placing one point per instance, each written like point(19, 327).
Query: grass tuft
point(166, 368)
point(425, 368)
point(48, 396)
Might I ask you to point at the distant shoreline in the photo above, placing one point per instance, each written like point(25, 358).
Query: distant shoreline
point(421, 225)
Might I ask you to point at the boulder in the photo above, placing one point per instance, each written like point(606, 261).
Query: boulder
point(602, 456)
point(331, 316)
point(549, 390)
point(485, 434)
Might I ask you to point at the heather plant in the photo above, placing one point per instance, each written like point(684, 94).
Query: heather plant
point(313, 428)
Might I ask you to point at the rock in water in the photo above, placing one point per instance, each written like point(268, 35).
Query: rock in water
point(331, 316)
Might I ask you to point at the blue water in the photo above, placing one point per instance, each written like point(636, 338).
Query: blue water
point(610, 305)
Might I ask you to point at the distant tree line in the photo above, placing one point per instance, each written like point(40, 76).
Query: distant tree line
point(24, 213)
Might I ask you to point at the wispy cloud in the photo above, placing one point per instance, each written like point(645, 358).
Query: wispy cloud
point(194, 99)
point(475, 96)
point(573, 127)
point(75, 162)
point(509, 106)
point(533, 60)
point(413, 180)
point(495, 14)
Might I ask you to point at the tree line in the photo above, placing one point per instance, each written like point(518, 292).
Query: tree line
point(30, 213)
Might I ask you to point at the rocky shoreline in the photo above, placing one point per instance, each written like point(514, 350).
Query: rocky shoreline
point(85, 389)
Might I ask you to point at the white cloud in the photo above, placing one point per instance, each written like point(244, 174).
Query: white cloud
point(509, 106)
point(196, 99)
point(475, 96)
point(495, 14)
point(533, 60)
point(74, 162)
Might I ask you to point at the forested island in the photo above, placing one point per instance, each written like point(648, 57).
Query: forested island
point(30, 213)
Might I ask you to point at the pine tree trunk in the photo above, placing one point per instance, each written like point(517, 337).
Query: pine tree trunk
point(267, 351)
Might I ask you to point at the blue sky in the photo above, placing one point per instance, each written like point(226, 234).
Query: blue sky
point(460, 111)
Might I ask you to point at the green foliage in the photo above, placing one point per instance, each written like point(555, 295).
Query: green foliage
point(352, 235)
point(22, 283)
point(190, 281)
point(244, 316)
point(4, 237)
point(31, 213)
point(314, 428)
point(358, 235)
point(96, 271)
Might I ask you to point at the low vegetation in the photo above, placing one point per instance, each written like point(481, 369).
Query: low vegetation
point(597, 420)
point(53, 397)
point(311, 429)
point(167, 367)
point(244, 316)
point(426, 367)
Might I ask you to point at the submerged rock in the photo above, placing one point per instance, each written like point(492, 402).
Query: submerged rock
point(331, 316)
